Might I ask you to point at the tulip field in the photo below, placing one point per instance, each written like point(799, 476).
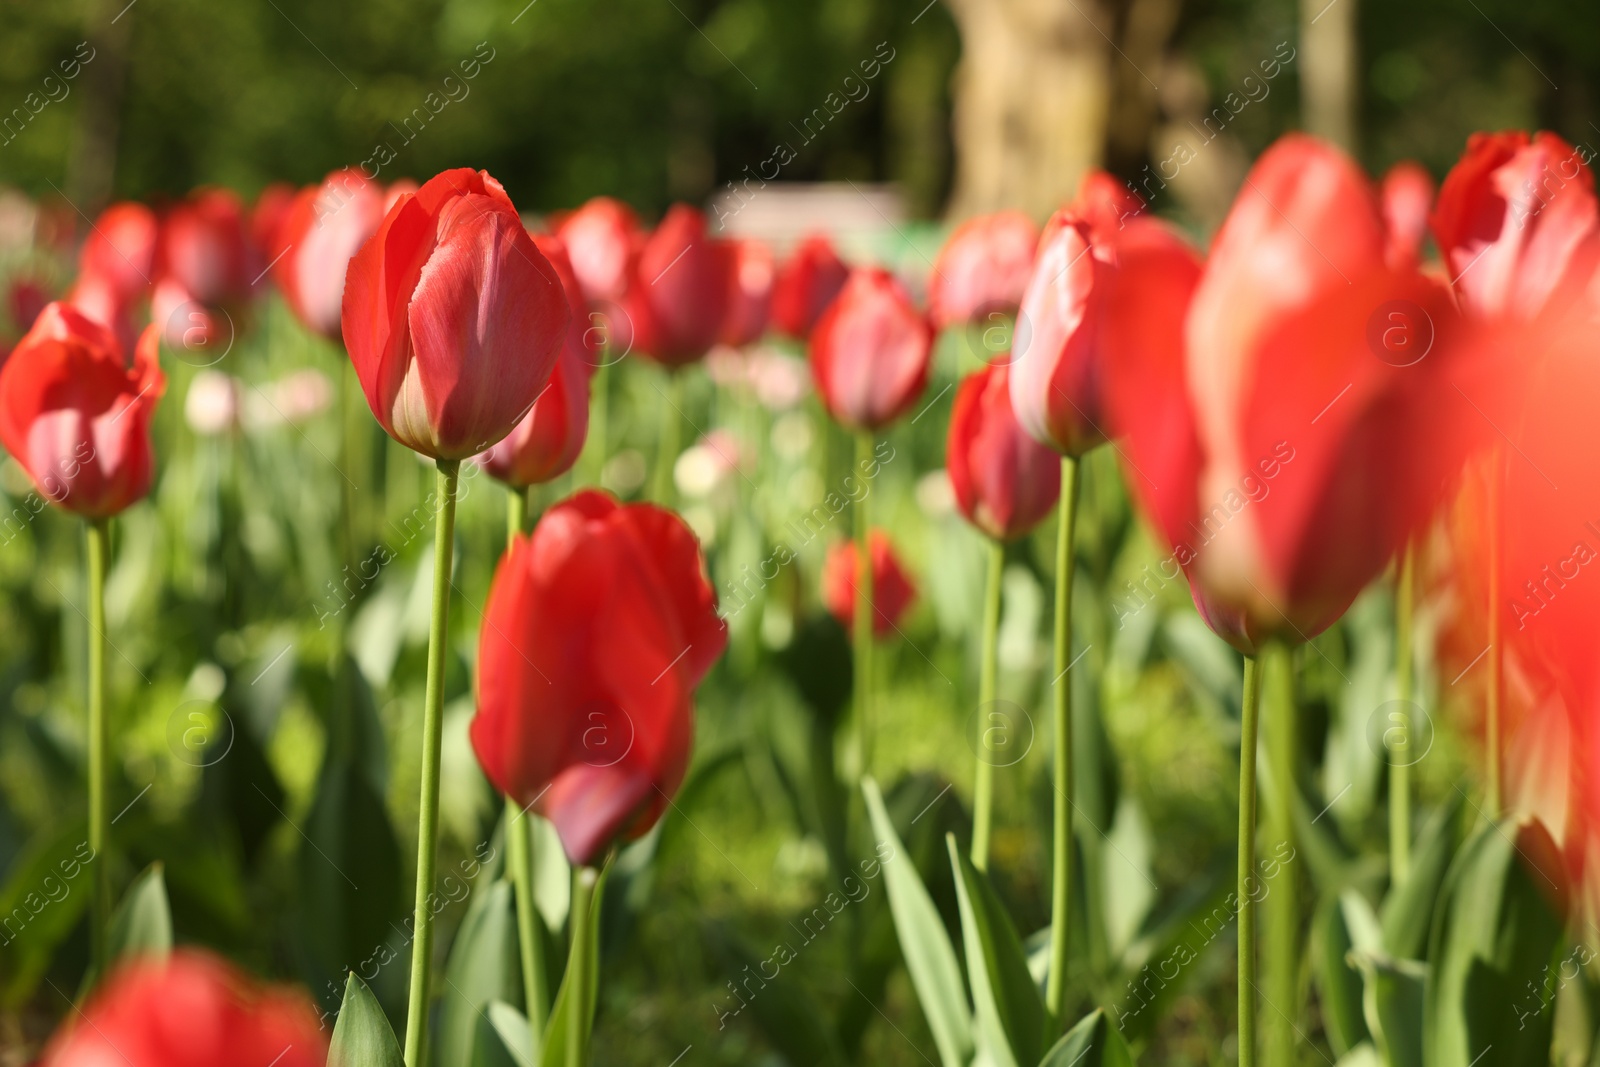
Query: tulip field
point(444, 630)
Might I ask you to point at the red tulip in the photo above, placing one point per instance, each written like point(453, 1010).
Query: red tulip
point(271, 208)
point(204, 247)
point(1283, 422)
point(805, 285)
point(1106, 203)
point(597, 630)
point(548, 440)
point(601, 237)
point(1005, 482)
point(452, 317)
point(25, 298)
point(191, 1010)
point(982, 269)
point(892, 588)
point(1514, 216)
point(751, 294)
point(870, 352)
point(678, 296)
point(120, 251)
point(1407, 196)
point(76, 416)
point(313, 245)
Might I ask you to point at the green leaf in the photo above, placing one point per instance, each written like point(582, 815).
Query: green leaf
point(576, 1008)
point(1408, 910)
point(142, 925)
point(1392, 1001)
point(1338, 982)
point(40, 904)
point(1093, 1042)
point(362, 1037)
point(504, 1038)
point(1010, 1011)
point(483, 967)
point(930, 957)
point(1496, 931)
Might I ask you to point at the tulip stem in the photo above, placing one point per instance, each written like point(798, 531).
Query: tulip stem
point(1061, 868)
point(1249, 721)
point(516, 512)
point(599, 409)
point(983, 786)
point(1282, 902)
point(99, 810)
point(1398, 736)
point(1492, 703)
point(449, 471)
point(667, 445)
point(864, 617)
point(581, 1020)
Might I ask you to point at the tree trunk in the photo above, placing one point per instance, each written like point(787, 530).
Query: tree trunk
point(1328, 69)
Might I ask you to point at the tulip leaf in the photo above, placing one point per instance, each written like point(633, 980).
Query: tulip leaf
point(142, 925)
point(574, 1010)
point(1011, 1014)
point(1407, 912)
point(504, 1038)
point(483, 967)
point(1093, 1042)
point(1392, 1004)
point(1338, 982)
point(1496, 930)
point(362, 1037)
point(46, 893)
point(930, 958)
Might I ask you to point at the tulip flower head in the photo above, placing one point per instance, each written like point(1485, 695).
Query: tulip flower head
point(120, 251)
point(190, 1010)
point(602, 238)
point(1005, 482)
point(805, 285)
point(76, 416)
point(679, 293)
point(751, 296)
point(982, 269)
point(1285, 410)
point(870, 352)
point(597, 630)
point(204, 247)
point(1407, 197)
point(312, 245)
point(452, 317)
point(893, 592)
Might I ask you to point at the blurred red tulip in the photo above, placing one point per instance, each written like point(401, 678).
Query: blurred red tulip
point(805, 285)
point(1407, 195)
point(982, 269)
point(548, 440)
point(271, 208)
point(93, 295)
point(25, 298)
point(452, 317)
point(1515, 215)
point(601, 237)
point(751, 295)
point(1287, 413)
point(191, 1010)
point(313, 245)
point(203, 246)
point(120, 251)
point(678, 296)
point(76, 416)
point(1106, 203)
point(870, 352)
point(892, 588)
point(1005, 482)
point(184, 321)
point(597, 630)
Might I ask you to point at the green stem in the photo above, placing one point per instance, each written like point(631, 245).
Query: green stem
point(599, 409)
point(667, 446)
point(1249, 719)
point(1399, 735)
point(432, 732)
point(983, 786)
point(519, 854)
point(1061, 867)
point(1492, 704)
point(578, 977)
point(1282, 900)
point(864, 616)
point(99, 810)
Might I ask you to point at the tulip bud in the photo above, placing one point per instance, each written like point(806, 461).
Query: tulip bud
point(982, 269)
point(203, 246)
point(76, 417)
point(1407, 197)
point(120, 250)
point(678, 296)
point(452, 318)
point(805, 285)
point(892, 589)
point(190, 1009)
point(1005, 482)
point(751, 295)
point(312, 247)
point(601, 237)
point(597, 630)
point(870, 352)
